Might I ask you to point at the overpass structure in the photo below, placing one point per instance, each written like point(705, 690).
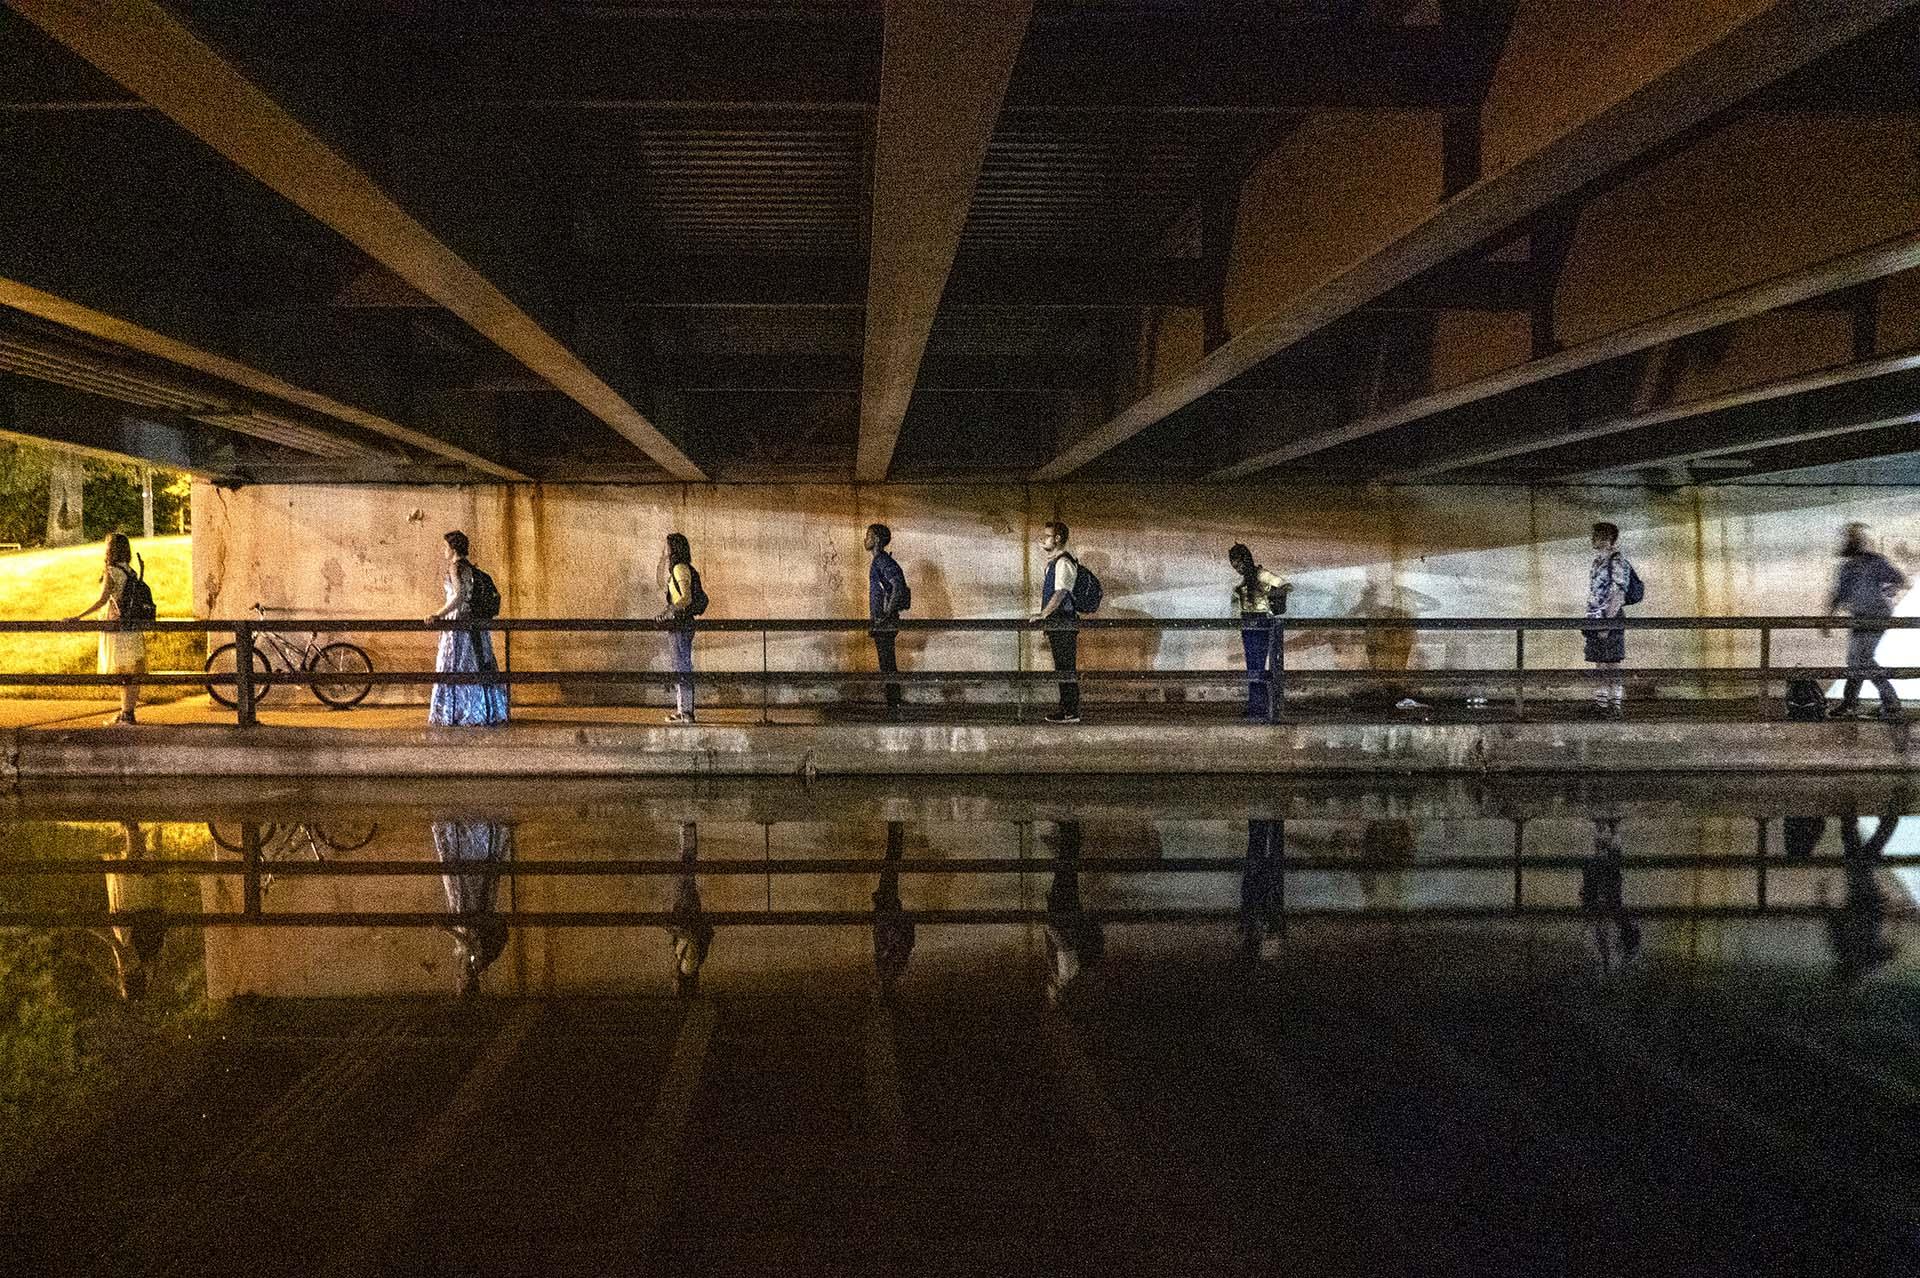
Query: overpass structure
point(1347, 241)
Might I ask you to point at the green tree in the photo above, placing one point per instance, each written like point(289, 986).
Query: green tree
point(24, 472)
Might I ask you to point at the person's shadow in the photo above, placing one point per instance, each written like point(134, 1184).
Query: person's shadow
point(925, 650)
point(1388, 650)
point(1119, 649)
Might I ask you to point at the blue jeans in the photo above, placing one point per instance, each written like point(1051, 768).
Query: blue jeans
point(1258, 642)
point(680, 647)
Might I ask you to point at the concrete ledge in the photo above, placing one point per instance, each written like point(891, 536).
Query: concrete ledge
point(556, 749)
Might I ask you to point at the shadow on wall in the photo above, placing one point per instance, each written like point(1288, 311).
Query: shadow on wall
point(932, 601)
point(1123, 649)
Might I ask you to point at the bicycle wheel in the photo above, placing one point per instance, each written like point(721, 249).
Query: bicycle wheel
point(349, 834)
point(227, 834)
point(345, 663)
point(221, 661)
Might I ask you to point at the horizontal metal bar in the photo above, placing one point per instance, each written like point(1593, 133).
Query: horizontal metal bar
point(865, 918)
point(849, 625)
point(862, 866)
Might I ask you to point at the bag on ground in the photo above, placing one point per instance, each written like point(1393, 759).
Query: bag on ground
point(1806, 700)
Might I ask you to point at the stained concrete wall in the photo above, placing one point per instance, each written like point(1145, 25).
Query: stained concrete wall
point(972, 551)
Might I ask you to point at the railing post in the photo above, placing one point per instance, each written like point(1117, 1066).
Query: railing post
point(1760, 865)
point(1519, 854)
point(1019, 668)
point(1276, 669)
point(250, 849)
point(1519, 672)
point(243, 676)
point(1766, 689)
point(764, 677)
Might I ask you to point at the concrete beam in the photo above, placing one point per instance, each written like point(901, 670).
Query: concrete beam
point(943, 71)
point(133, 337)
point(1751, 445)
point(143, 47)
point(1894, 439)
point(1670, 90)
point(1887, 258)
point(1703, 440)
point(840, 283)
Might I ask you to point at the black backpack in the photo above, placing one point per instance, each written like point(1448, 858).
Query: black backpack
point(1087, 590)
point(1636, 588)
point(698, 601)
point(136, 597)
point(1806, 701)
point(483, 602)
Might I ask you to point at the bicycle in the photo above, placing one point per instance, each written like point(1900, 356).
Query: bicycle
point(280, 842)
point(344, 661)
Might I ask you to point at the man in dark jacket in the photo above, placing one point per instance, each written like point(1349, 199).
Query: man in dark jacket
point(1865, 586)
point(887, 598)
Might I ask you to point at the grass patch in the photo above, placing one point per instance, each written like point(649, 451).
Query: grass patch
point(42, 585)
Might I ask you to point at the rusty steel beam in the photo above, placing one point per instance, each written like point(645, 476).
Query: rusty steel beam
point(143, 47)
point(1755, 54)
point(943, 71)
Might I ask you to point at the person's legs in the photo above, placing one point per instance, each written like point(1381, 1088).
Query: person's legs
point(884, 647)
point(1863, 647)
point(680, 643)
point(1258, 642)
point(1065, 646)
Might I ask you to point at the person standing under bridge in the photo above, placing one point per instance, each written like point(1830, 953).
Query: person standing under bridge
point(686, 599)
point(1056, 604)
point(1865, 586)
point(887, 597)
point(121, 651)
point(467, 650)
point(1607, 582)
point(1260, 598)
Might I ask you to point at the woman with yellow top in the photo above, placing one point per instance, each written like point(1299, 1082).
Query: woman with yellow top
point(685, 601)
point(1260, 599)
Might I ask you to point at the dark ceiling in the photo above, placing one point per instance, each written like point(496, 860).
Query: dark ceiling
point(681, 194)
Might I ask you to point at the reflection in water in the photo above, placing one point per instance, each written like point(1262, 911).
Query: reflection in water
point(1857, 927)
point(1616, 935)
point(1263, 896)
point(1075, 941)
point(136, 943)
point(892, 926)
point(690, 936)
point(479, 933)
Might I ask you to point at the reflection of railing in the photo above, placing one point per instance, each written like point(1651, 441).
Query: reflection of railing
point(1524, 680)
point(1765, 862)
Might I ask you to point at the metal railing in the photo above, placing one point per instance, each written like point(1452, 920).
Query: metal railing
point(1524, 680)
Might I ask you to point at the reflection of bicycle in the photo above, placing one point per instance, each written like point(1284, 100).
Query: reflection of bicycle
point(285, 842)
point(337, 669)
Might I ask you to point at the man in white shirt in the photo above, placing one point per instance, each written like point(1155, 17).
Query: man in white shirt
point(1056, 598)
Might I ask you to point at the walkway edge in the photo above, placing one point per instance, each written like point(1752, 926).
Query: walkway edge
point(547, 749)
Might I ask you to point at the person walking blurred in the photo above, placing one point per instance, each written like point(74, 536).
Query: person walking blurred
point(1865, 585)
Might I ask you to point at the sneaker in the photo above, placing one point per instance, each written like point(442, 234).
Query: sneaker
point(1844, 711)
point(1890, 714)
point(1061, 716)
point(679, 716)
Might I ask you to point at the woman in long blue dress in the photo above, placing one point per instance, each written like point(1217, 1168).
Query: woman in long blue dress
point(465, 651)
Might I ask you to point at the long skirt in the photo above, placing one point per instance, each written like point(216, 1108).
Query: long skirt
point(466, 704)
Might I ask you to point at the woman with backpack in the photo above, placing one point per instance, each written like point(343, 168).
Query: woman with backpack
point(471, 595)
point(125, 596)
point(686, 599)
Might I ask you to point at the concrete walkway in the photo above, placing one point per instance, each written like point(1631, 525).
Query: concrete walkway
point(192, 738)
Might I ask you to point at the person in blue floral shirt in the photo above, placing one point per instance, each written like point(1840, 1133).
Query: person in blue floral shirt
point(1607, 597)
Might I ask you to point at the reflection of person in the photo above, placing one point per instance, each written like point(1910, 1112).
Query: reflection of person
point(893, 934)
point(479, 933)
point(1074, 941)
point(135, 943)
point(887, 598)
point(689, 936)
point(121, 651)
point(1263, 892)
point(1260, 598)
point(1603, 896)
point(465, 651)
point(1857, 928)
point(1866, 585)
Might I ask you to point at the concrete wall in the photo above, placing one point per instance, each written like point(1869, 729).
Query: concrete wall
point(971, 551)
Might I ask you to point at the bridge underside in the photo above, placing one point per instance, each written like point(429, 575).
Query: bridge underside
point(1325, 241)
